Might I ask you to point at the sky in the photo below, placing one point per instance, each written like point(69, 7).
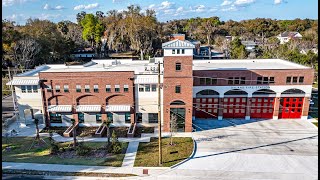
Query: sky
point(58, 10)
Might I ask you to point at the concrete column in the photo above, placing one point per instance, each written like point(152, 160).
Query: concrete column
point(248, 108)
point(220, 108)
point(276, 106)
point(305, 108)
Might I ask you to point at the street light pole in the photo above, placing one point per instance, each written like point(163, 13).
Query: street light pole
point(12, 94)
point(159, 116)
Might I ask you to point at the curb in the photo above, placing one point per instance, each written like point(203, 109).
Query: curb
point(190, 157)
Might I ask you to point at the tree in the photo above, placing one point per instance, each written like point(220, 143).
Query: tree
point(238, 51)
point(25, 52)
point(107, 124)
point(80, 16)
point(173, 127)
point(116, 147)
point(92, 29)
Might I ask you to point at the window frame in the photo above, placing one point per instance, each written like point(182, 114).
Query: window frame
point(66, 88)
point(153, 87)
point(295, 77)
point(242, 80)
point(299, 79)
point(259, 79)
point(35, 89)
point(173, 51)
point(96, 88)
point(108, 88)
point(87, 88)
point(271, 80)
point(125, 88)
point(230, 80)
point(152, 117)
point(57, 88)
point(29, 89)
point(78, 88)
point(141, 87)
point(24, 89)
point(178, 66)
point(288, 77)
point(117, 88)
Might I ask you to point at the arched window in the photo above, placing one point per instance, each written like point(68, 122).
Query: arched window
point(177, 102)
point(236, 92)
point(207, 92)
point(293, 91)
point(263, 91)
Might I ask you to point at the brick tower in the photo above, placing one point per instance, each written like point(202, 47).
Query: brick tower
point(177, 84)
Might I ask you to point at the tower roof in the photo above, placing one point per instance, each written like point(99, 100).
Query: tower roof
point(177, 44)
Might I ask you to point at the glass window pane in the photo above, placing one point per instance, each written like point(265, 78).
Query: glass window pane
point(147, 87)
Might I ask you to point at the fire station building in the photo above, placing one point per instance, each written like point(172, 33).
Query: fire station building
point(125, 91)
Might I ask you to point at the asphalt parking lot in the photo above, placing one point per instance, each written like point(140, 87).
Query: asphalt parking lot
point(269, 149)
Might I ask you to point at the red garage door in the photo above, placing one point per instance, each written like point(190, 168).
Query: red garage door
point(234, 107)
point(206, 107)
point(290, 107)
point(262, 107)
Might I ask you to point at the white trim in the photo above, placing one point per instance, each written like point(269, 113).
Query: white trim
point(60, 108)
point(88, 108)
point(304, 117)
point(275, 117)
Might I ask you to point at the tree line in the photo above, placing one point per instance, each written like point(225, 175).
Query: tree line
point(42, 41)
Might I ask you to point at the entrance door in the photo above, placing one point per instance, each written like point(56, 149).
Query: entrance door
point(180, 114)
point(291, 107)
point(234, 107)
point(262, 107)
point(206, 108)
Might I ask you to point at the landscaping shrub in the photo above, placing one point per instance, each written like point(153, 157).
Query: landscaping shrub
point(116, 147)
point(54, 148)
point(82, 150)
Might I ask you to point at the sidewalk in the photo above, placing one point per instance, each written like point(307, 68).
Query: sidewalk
point(131, 153)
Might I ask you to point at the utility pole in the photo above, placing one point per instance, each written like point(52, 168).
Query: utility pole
point(12, 94)
point(159, 116)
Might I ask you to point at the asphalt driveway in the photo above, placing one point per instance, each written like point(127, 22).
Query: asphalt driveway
point(241, 149)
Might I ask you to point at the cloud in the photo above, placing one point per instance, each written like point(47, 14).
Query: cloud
point(12, 2)
point(47, 7)
point(226, 2)
point(89, 6)
point(16, 17)
point(243, 2)
point(49, 16)
point(166, 5)
point(277, 1)
point(180, 9)
point(151, 6)
point(200, 8)
point(231, 8)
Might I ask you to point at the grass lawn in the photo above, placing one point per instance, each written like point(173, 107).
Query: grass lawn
point(20, 153)
point(147, 155)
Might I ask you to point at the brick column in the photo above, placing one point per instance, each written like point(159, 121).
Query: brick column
point(188, 119)
point(276, 106)
point(248, 108)
point(305, 108)
point(75, 114)
point(103, 113)
point(220, 108)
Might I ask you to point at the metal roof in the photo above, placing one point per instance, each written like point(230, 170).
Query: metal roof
point(88, 108)
point(23, 82)
point(118, 108)
point(60, 108)
point(178, 44)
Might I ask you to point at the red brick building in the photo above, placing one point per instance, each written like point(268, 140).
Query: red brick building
point(126, 91)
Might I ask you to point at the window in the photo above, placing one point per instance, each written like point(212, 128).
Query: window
point(55, 118)
point(271, 80)
point(125, 88)
point(108, 88)
point(81, 117)
point(202, 81)
point(127, 118)
point(301, 79)
point(98, 118)
point(153, 117)
point(265, 80)
point(243, 80)
point(78, 88)
point(178, 66)
point(117, 88)
point(141, 87)
point(110, 117)
point(35, 89)
point(182, 51)
point(214, 81)
point(178, 89)
point(208, 81)
point(230, 80)
point(57, 88)
point(87, 88)
point(259, 80)
point(23, 89)
point(288, 80)
point(29, 89)
point(66, 88)
point(147, 87)
point(236, 80)
point(49, 88)
point(173, 51)
point(178, 51)
point(295, 79)
point(95, 88)
point(153, 87)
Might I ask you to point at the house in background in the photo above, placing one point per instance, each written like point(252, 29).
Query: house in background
point(83, 54)
point(250, 45)
point(286, 36)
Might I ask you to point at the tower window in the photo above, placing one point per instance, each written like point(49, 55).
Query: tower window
point(182, 51)
point(173, 51)
point(178, 89)
point(178, 66)
point(178, 51)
